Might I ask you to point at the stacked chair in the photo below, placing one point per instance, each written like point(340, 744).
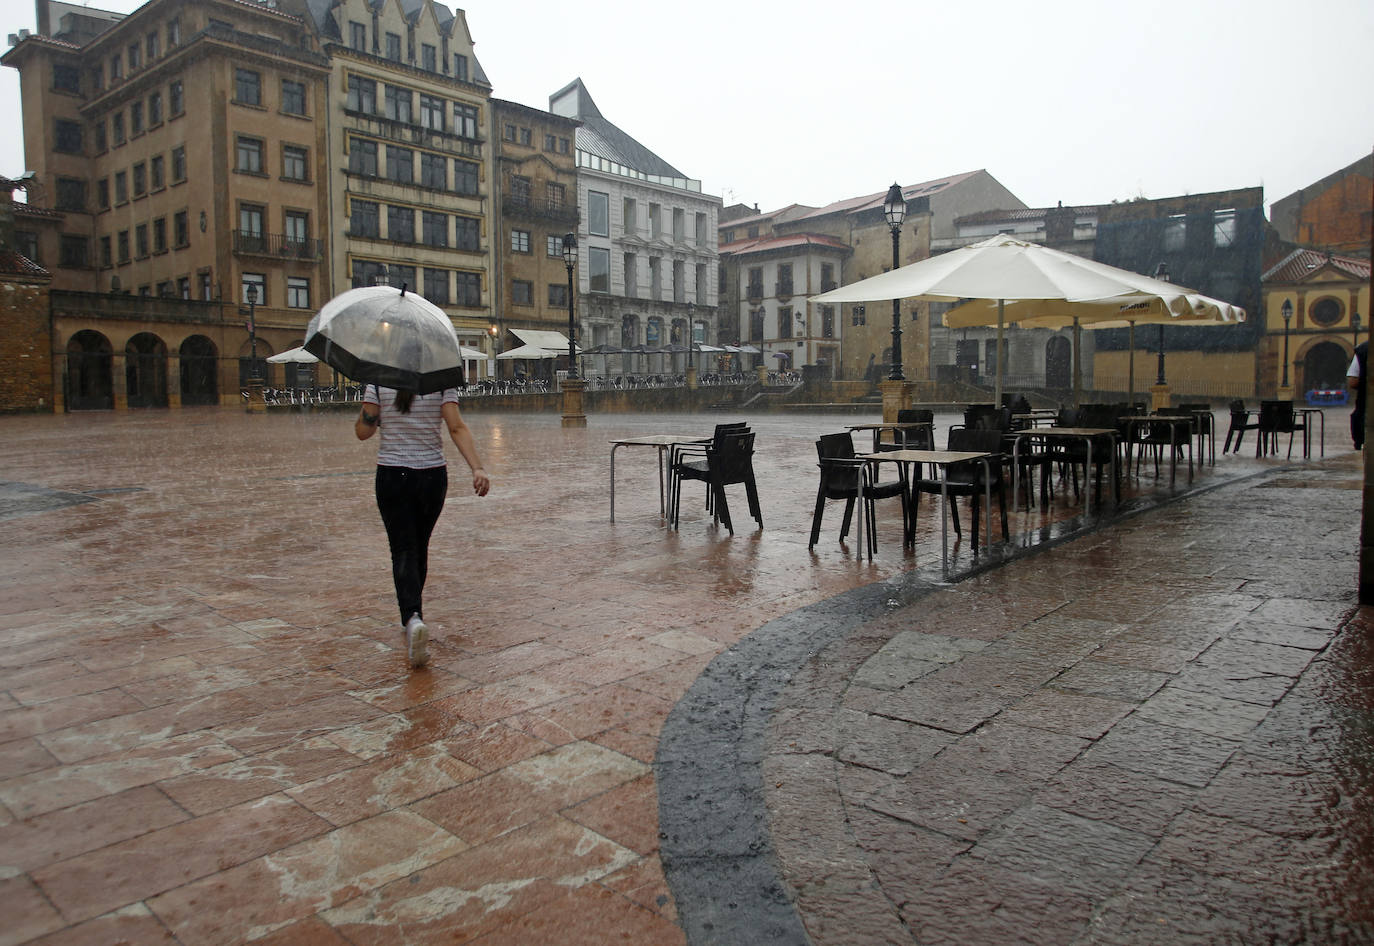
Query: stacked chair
point(727, 460)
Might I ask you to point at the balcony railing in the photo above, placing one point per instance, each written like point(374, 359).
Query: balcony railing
point(551, 210)
point(279, 245)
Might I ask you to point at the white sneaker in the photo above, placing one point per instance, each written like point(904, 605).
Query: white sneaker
point(417, 641)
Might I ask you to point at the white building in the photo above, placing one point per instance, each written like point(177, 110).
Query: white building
point(647, 262)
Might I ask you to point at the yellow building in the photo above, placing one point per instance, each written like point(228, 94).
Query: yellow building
point(1316, 308)
point(410, 120)
point(202, 177)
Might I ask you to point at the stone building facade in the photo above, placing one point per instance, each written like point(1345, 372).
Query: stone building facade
point(239, 164)
point(647, 247)
point(536, 197)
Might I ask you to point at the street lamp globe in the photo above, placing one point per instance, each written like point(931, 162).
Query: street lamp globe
point(894, 206)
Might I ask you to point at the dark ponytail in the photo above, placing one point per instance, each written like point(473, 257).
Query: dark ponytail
point(403, 399)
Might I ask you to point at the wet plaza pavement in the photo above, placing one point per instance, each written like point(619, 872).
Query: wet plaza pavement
point(1153, 727)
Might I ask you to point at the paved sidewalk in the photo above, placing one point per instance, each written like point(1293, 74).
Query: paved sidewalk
point(1160, 733)
point(208, 733)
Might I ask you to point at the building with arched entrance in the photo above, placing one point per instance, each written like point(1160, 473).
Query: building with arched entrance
point(1316, 309)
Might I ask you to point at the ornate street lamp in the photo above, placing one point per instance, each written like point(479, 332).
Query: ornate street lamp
point(691, 332)
point(1162, 274)
point(1287, 312)
point(251, 293)
point(894, 210)
point(570, 260)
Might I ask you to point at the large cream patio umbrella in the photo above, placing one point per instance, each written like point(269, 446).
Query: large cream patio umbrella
point(1003, 271)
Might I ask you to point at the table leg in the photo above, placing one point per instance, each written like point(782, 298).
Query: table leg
point(859, 511)
point(661, 507)
point(1087, 479)
point(944, 519)
point(614, 448)
point(987, 499)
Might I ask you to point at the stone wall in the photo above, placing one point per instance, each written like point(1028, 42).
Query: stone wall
point(26, 381)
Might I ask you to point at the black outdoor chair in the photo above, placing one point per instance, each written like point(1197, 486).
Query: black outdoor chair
point(920, 438)
point(696, 453)
point(967, 479)
point(1241, 420)
point(1206, 430)
point(1072, 454)
point(841, 474)
point(1278, 417)
point(728, 462)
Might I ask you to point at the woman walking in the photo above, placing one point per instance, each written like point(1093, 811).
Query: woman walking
point(412, 480)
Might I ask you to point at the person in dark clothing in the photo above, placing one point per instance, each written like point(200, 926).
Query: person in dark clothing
point(1355, 378)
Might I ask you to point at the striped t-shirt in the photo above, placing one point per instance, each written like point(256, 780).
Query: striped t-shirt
point(414, 439)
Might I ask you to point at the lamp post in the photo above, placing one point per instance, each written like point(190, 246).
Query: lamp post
point(894, 210)
point(691, 332)
point(572, 386)
point(1287, 312)
point(1355, 326)
point(1162, 274)
point(251, 293)
point(570, 260)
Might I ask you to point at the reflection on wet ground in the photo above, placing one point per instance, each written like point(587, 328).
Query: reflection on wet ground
point(207, 728)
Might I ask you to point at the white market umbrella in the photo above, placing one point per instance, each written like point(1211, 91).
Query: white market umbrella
point(1002, 271)
point(387, 336)
point(298, 356)
point(529, 351)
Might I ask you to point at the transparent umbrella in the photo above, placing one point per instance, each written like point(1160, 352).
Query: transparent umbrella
point(394, 338)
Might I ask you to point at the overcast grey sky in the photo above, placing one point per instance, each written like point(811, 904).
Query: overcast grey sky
point(1077, 101)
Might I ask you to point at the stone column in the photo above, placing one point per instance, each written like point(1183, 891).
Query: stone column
point(1159, 397)
point(896, 397)
point(119, 381)
point(572, 402)
point(762, 373)
point(692, 378)
point(173, 380)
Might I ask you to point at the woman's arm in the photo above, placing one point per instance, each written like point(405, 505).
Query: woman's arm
point(368, 419)
point(467, 446)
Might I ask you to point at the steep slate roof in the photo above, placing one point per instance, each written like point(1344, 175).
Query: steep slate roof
point(873, 201)
point(1301, 263)
point(602, 138)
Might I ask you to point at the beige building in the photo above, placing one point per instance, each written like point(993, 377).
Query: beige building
point(862, 342)
point(202, 177)
point(536, 187)
point(409, 131)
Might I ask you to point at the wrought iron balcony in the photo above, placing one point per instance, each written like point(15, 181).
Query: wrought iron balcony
point(518, 205)
point(279, 245)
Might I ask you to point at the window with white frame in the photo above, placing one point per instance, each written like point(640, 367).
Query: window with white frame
point(520, 241)
point(598, 213)
point(297, 292)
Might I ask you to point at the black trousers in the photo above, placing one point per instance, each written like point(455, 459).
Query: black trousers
point(410, 502)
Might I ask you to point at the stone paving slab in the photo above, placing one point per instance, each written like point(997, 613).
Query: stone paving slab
point(1139, 778)
point(208, 732)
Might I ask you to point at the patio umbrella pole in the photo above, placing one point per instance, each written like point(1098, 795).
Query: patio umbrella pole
point(1077, 363)
point(997, 392)
point(1130, 368)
